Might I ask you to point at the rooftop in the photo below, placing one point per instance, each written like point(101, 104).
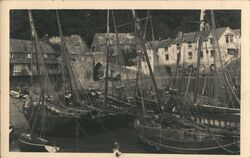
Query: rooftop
point(25, 46)
point(124, 38)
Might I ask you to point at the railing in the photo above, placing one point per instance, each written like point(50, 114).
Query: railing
point(28, 73)
point(29, 60)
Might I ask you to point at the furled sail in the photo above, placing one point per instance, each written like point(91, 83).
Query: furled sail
point(221, 79)
point(74, 83)
point(45, 84)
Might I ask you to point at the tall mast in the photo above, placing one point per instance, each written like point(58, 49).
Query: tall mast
point(31, 61)
point(107, 59)
point(120, 55)
point(152, 28)
point(139, 32)
point(218, 63)
point(65, 55)
point(45, 84)
point(198, 54)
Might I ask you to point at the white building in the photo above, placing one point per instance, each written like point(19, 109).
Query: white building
point(187, 46)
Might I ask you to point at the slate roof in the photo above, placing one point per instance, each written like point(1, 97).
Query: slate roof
point(165, 43)
point(237, 32)
point(193, 36)
point(220, 31)
point(124, 38)
point(25, 46)
point(151, 44)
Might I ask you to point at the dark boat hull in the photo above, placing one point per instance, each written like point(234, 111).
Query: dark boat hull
point(53, 122)
point(30, 145)
point(183, 141)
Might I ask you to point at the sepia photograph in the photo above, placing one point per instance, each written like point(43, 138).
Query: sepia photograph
point(123, 81)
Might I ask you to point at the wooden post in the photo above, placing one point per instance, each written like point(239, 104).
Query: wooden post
point(107, 59)
point(198, 55)
point(138, 27)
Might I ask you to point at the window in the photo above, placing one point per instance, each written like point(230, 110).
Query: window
point(231, 51)
point(189, 45)
point(17, 70)
point(227, 39)
point(211, 53)
point(29, 55)
point(231, 39)
point(166, 57)
point(201, 54)
point(178, 46)
point(11, 55)
point(211, 40)
point(45, 56)
point(166, 49)
point(190, 55)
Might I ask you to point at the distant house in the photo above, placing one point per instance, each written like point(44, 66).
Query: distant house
point(164, 53)
point(99, 43)
point(23, 58)
point(151, 47)
point(185, 46)
point(228, 43)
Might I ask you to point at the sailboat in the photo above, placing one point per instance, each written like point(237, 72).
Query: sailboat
point(118, 106)
point(49, 108)
point(78, 99)
point(184, 127)
point(30, 141)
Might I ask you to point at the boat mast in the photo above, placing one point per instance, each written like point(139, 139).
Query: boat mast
point(44, 81)
point(218, 62)
point(120, 55)
point(107, 58)
point(74, 85)
point(152, 28)
point(139, 33)
point(198, 54)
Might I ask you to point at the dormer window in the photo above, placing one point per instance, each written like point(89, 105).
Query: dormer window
point(229, 38)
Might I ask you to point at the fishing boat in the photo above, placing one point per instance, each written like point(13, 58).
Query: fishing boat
point(115, 103)
point(48, 104)
point(173, 122)
point(29, 141)
point(78, 98)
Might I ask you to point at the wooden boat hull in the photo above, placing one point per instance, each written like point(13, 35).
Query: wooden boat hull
point(184, 141)
point(29, 145)
point(53, 123)
point(56, 119)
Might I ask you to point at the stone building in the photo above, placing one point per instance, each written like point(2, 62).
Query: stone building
point(23, 60)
